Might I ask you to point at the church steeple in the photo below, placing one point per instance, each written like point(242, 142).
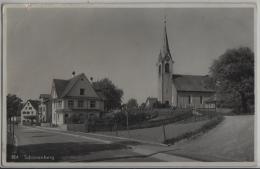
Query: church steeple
point(165, 70)
point(166, 53)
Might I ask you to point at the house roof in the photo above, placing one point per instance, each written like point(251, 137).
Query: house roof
point(70, 84)
point(60, 85)
point(34, 103)
point(195, 83)
point(151, 99)
point(63, 87)
point(45, 96)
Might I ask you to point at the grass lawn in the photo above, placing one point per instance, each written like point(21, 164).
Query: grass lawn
point(155, 134)
point(231, 140)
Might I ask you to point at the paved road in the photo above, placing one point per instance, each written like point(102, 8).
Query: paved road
point(231, 140)
point(40, 144)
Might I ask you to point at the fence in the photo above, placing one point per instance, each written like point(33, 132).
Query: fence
point(139, 120)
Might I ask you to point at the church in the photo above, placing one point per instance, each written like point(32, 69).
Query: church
point(179, 90)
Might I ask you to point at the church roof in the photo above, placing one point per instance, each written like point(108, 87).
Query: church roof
point(195, 83)
point(165, 52)
point(165, 47)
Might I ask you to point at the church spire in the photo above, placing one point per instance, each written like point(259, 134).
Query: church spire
point(165, 48)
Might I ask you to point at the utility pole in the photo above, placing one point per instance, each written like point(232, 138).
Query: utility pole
point(164, 135)
point(116, 128)
point(127, 123)
point(13, 130)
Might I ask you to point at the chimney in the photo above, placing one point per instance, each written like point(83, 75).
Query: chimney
point(73, 73)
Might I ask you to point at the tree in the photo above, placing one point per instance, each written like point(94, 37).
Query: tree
point(132, 103)
point(142, 106)
point(14, 105)
point(111, 92)
point(233, 77)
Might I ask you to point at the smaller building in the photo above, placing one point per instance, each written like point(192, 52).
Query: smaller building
point(45, 108)
point(29, 112)
point(150, 102)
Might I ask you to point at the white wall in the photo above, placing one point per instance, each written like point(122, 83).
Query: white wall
point(28, 108)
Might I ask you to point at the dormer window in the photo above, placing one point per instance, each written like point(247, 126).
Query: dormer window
point(82, 92)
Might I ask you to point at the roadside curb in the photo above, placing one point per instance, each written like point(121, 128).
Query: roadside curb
point(161, 155)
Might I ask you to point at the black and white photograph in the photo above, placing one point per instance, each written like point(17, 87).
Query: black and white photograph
point(93, 85)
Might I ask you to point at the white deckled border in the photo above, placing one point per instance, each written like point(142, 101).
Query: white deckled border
point(128, 4)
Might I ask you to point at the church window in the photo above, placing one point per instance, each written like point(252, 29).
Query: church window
point(167, 69)
point(160, 69)
point(201, 100)
point(189, 99)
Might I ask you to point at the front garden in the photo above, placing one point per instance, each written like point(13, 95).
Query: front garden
point(168, 127)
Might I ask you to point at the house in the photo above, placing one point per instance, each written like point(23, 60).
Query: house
point(180, 90)
point(45, 108)
point(150, 101)
point(29, 112)
point(74, 101)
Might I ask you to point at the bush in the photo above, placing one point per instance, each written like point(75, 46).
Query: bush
point(158, 104)
point(177, 115)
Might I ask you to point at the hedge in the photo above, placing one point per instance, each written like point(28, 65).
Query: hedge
point(206, 127)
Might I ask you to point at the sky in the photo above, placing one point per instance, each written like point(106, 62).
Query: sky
point(121, 44)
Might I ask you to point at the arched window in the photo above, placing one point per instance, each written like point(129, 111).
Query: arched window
point(160, 69)
point(167, 69)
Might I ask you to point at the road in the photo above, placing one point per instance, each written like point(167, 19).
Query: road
point(231, 140)
point(48, 145)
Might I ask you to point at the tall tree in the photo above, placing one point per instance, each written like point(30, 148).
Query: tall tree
point(111, 92)
point(14, 105)
point(132, 103)
point(233, 77)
